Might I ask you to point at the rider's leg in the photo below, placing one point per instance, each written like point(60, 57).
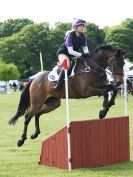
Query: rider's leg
point(71, 67)
point(60, 80)
point(62, 73)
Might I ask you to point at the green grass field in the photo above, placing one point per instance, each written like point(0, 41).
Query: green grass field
point(23, 161)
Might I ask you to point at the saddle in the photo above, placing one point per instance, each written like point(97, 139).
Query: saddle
point(54, 74)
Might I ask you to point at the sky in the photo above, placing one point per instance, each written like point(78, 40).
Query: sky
point(101, 12)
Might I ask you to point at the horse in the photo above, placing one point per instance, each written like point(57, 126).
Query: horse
point(39, 97)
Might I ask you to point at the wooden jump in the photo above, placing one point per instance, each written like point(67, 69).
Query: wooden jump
point(94, 143)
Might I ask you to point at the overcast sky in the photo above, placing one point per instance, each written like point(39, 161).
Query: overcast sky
point(101, 12)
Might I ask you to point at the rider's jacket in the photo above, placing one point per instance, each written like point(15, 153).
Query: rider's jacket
point(72, 40)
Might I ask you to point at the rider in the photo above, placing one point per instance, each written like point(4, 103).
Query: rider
point(70, 48)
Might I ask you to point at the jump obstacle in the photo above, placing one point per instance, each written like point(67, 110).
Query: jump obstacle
point(94, 143)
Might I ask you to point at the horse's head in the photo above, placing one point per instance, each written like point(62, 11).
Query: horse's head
point(116, 63)
point(113, 58)
point(105, 56)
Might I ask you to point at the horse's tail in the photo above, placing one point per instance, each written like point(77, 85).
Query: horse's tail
point(23, 104)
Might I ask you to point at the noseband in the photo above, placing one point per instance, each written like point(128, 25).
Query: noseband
point(113, 61)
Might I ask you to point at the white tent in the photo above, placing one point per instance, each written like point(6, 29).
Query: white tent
point(128, 69)
point(3, 86)
point(128, 65)
point(130, 73)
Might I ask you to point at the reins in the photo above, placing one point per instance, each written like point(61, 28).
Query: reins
point(85, 71)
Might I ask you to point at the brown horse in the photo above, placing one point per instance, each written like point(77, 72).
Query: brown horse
point(38, 97)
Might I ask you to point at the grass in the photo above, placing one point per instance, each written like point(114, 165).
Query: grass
point(23, 162)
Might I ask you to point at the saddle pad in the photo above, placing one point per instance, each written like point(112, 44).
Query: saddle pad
point(54, 74)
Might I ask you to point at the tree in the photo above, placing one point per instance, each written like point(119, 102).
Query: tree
point(121, 36)
point(8, 71)
point(95, 35)
point(55, 39)
point(128, 23)
point(23, 48)
point(10, 26)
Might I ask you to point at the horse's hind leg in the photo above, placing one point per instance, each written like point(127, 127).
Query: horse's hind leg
point(50, 105)
point(23, 137)
point(37, 127)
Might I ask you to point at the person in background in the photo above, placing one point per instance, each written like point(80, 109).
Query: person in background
point(74, 40)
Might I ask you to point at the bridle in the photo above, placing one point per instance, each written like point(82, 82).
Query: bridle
point(95, 64)
point(107, 70)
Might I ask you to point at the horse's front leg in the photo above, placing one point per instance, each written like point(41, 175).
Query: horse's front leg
point(107, 104)
point(103, 112)
point(112, 100)
point(91, 91)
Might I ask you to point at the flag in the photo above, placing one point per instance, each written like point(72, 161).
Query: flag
point(64, 64)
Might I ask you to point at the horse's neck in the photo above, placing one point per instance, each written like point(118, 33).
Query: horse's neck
point(100, 60)
point(96, 61)
point(79, 66)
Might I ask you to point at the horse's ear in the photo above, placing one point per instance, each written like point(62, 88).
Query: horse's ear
point(121, 52)
point(124, 51)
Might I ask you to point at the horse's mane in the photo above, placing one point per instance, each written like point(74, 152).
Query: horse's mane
point(102, 47)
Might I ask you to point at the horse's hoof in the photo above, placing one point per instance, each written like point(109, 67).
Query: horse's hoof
point(20, 143)
point(102, 114)
point(33, 136)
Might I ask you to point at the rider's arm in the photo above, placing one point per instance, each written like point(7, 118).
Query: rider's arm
point(70, 47)
point(85, 49)
point(74, 53)
point(85, 46)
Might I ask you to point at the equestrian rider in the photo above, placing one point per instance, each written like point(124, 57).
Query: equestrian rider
point(72, 43)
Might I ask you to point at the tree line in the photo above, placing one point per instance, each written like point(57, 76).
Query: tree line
point(22, 40)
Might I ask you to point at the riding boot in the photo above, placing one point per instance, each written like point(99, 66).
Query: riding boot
point(60, 80)
point(70, 68)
